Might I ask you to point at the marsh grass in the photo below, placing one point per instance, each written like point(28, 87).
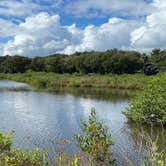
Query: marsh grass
point(45, 80)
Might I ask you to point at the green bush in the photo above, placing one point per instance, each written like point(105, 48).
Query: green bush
point(150, 106)
point(5, 141)
point(16, 157)
point(95, 140)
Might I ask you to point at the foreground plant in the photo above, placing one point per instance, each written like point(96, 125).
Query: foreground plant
point(149, 145)
point(16, 157)
point(5, 141)
point(154, 156)
point(95, 141)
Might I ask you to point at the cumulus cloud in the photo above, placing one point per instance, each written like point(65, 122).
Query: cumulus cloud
point(152, 34)
point(113, 34)
point(43, 34)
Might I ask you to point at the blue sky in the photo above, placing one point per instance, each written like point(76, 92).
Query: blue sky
point(42, 27)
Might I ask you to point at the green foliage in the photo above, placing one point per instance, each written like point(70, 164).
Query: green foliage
point(95, 140)
point(5, 141)
point(15, 64)
point(16, 157)
point(113, 61)
point(150, 105)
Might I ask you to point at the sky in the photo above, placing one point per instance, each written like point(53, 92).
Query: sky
point(43, 27)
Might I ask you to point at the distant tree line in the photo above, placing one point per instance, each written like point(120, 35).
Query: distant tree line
point(111, 61)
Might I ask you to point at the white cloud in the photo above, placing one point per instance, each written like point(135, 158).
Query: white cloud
point(113, 34)
point(7, 28)
point(152, 34)
point(18, 8)
point(93, 8)
point(43, 34)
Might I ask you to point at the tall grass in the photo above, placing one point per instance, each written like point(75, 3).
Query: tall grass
point(51, 80)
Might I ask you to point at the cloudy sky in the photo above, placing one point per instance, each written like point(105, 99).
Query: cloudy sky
point(43, 27)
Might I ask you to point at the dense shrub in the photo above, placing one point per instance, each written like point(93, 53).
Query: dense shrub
point(150, 106)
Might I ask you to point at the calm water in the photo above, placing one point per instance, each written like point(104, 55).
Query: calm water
point(41, 119)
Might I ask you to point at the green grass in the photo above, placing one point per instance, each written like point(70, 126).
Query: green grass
point(43, 80)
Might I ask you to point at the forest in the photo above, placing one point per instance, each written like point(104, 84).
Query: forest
point(111, 61)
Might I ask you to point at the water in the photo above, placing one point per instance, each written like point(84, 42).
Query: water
point(40, 119)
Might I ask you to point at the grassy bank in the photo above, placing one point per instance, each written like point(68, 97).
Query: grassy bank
point(43, 80)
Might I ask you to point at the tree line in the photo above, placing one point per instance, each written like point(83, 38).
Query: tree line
point(111, 61)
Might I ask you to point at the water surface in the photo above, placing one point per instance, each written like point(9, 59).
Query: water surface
point(40, 119)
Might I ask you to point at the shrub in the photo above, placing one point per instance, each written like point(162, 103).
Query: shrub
point(5, 141)
point(16, 157)
point(95, 141)
point(150, 106)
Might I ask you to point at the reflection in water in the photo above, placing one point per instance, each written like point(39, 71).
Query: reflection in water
point(141, 137)
point(114, 95)
point(40, 119)
point(13, 86)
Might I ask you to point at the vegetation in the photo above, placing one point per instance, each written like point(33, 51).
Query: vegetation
point(149, 145)
point(95, 140)
point(150, 106)
point(17, 157)
point(50, 81)
point(154, 157)
point(111, 61)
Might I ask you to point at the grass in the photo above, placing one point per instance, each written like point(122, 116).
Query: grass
point(50, 81)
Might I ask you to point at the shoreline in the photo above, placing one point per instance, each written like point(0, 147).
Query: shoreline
point(51, 81)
